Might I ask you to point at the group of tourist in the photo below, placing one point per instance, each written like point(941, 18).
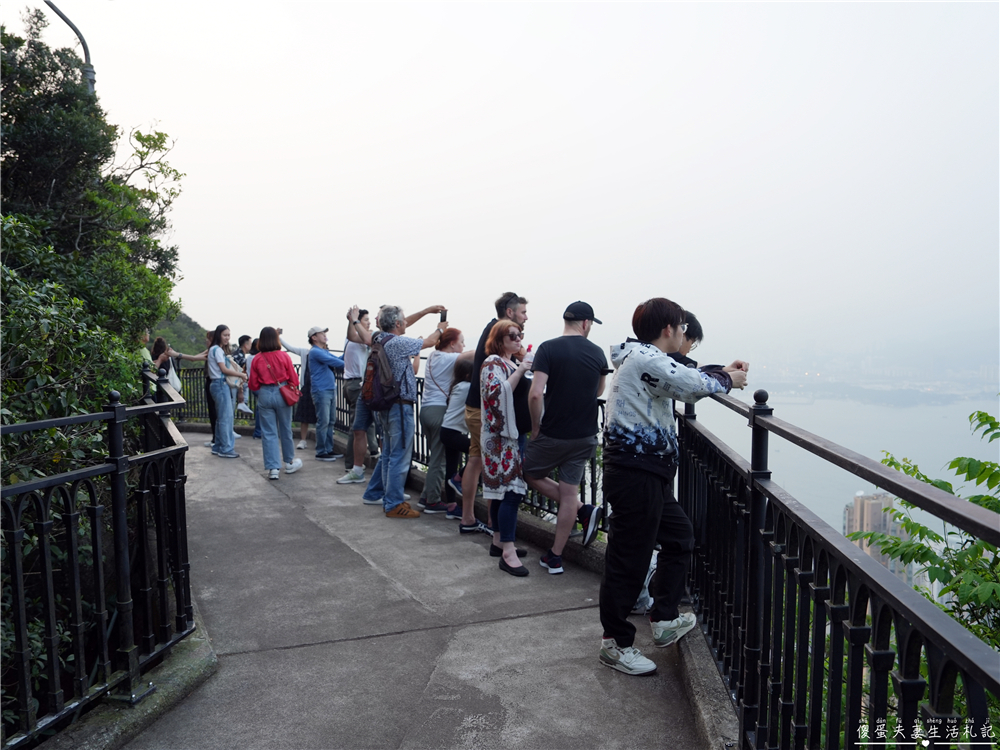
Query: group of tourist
point(484, 403)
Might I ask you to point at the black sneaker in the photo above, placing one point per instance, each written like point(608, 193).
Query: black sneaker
point(551, 561)
point(591, 521)
point(475, 528)
point(325, 457)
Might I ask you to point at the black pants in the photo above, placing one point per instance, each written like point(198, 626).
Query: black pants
point(455, 444)
point(211, 405)
point(643, 512)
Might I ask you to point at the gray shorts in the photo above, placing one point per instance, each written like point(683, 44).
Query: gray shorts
point(543, 454)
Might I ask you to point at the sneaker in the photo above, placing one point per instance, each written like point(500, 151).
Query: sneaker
point(456, 484)
point(337, 455)
point(273, 474)
point(454, 512)
point(244, 408)
point(236, 435)
point(370, 501)
point(209, 444)
point(352, 477)
point(591, 521)
point(231, 454)
point(215, 451)
point(294, 466)
point(422, 503)
point(628, 660)
point(402, 511)
point(551, 561)
point(301, 445)
point(325, 457)
point(667, 632)
point(435, 507)
point(474, 528)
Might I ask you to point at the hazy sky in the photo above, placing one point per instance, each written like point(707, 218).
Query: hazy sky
point(805, 177)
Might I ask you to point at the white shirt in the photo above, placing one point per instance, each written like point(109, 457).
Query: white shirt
point(355, 359)
point(437, 377)
point(454, 415)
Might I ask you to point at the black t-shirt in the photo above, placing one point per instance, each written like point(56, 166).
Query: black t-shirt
point(474, 399)
point(574, 367)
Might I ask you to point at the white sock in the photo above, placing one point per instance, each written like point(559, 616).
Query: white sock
point(357, 468)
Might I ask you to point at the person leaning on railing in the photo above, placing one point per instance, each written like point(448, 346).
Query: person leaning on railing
point(640, 459)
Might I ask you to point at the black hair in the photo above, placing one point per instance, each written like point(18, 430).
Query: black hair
point(653, 315)
point(694, 332)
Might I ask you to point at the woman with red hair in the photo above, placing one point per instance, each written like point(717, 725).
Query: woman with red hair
point(438, 374)
point(503, 482)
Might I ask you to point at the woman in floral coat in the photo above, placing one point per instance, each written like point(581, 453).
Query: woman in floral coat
point(503, 483)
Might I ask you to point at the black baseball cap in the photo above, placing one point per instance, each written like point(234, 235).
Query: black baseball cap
point(580, 311)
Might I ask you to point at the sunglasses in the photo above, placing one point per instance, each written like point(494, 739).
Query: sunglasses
point(515, 336)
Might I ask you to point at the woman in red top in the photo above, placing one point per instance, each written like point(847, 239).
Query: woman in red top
point(270, 369)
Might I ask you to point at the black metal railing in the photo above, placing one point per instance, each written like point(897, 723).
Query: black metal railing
point(815, 640)
point(91, 602)
point(590, 486)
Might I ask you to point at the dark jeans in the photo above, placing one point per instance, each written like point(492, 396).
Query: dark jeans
point(211, 405)
point(455, 444)
point(503, 516)
point(643, 512)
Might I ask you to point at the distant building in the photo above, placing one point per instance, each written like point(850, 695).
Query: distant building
point(873, 513)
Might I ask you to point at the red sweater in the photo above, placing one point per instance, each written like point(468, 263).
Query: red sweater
point(272, 368)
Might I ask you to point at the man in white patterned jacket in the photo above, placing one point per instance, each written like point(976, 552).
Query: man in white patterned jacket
point(640, 459)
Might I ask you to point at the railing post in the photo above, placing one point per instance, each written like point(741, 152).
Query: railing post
point(753, 602)
point(128, 656)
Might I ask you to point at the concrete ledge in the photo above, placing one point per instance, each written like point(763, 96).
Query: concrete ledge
point(714, 714)
point(110, 726)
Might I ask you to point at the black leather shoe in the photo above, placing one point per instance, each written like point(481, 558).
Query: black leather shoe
point(498, 551)
point(520, 571)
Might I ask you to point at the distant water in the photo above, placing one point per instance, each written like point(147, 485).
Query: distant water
point(930, 434)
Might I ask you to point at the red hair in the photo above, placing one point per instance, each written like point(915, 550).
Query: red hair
point(449, 337)
point(494, 342)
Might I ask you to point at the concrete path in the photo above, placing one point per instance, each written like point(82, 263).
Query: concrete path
point(336, 627)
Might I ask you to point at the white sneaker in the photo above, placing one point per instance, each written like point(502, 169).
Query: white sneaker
point(301, 445)
point(273, 474)
point(236, 435)
point(352, 477)
point(209, 444)
point(628, 660)
point(244, 408)
point(294, 466)
point(667, 632)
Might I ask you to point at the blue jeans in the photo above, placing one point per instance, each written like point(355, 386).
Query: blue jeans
point(275, 426)
point(397, 453)
point(223, 399)
point(326, 415)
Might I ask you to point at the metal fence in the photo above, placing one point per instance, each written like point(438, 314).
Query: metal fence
point(66, 564)
point(815, 640)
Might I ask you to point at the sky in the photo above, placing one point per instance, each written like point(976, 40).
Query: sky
point(817, 182)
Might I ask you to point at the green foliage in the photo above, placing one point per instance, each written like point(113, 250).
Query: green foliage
point(56, 156)
point(968, 568)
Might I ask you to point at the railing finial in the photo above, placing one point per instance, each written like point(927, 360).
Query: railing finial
point(760, 396)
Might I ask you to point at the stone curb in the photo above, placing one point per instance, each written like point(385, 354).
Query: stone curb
point(110, 726)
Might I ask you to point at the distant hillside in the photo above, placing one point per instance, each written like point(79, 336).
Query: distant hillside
point(183, 334)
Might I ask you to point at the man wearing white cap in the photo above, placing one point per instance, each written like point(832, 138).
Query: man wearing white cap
point(568, 377)
point(323, 384)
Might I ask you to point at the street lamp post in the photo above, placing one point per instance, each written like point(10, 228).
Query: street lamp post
point(88, 69)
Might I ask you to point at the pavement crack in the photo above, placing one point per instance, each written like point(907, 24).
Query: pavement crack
point(396, 633)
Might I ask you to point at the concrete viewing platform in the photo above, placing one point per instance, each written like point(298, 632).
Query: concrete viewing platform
point(335, 627)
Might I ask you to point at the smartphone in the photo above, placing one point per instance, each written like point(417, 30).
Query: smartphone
point(444, 316)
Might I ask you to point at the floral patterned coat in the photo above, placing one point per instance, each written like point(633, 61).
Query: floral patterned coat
point(501, 458)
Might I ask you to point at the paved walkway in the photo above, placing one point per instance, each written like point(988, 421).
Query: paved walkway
point(338, 628)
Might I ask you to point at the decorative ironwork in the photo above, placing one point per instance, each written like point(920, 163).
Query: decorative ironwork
point(61, 570)
point(807, 630)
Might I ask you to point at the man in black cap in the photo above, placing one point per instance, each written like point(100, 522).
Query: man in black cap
point(568, 377)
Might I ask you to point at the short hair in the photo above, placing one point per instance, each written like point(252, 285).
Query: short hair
point(243, 339)
point(362, 313)
point(388, 317)
point(694, 332)
point(507, 299)
point(268, 341)
point(253, 346)
point(449, 337)
point(159, 346)
point(217, 337)
point(494, 342)
point(653, 315)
